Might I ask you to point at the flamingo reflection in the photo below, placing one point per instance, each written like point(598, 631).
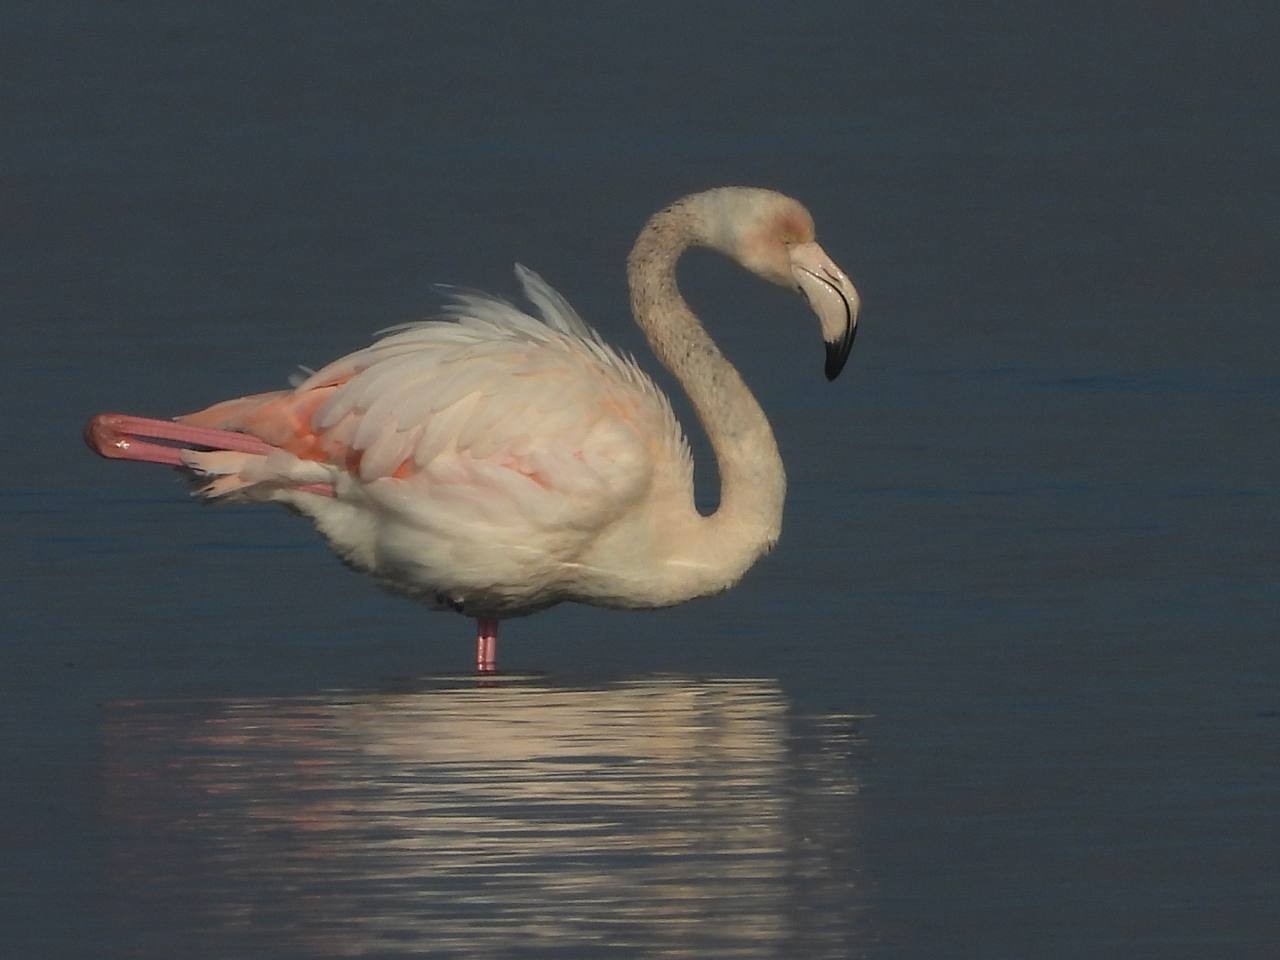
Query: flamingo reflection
point(674, 816)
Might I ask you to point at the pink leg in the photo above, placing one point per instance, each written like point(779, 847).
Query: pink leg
point(486, 645)
point(120, 436)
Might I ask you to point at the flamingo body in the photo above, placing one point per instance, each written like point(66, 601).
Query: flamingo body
point(489, 462)
point(495, 463)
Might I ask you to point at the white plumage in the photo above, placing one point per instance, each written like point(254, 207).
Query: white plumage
point(495, 462)
point(486, 450)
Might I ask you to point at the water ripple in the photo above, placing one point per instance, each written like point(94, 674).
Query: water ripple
point(660, 817)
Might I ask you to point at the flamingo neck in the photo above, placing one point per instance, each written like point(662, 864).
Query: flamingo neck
point(752, 479)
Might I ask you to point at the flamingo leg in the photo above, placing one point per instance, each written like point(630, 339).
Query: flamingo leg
point(119, 436)
point(486, 645)
point(123, 437)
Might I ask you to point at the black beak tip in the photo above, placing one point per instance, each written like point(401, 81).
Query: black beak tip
point(838, 352)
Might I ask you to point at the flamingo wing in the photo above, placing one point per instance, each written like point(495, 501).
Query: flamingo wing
point(487, 415)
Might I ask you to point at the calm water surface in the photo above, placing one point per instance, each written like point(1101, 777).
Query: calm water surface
point(1031, 533)
point(520, 818)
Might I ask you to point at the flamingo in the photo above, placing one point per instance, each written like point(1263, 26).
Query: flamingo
point(495, 463)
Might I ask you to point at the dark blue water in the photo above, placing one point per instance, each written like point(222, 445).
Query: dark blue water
point(661, 815)
point(1008, 687)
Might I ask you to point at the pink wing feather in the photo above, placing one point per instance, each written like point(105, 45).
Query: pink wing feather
point(488, 408)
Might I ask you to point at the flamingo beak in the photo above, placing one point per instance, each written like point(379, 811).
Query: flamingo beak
point(832, 296)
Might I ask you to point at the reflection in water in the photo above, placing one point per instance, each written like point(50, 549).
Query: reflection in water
point(663, 817)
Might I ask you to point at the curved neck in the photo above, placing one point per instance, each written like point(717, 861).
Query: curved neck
point(752, 480)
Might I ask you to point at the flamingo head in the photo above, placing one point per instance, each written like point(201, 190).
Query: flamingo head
point(773, 236)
